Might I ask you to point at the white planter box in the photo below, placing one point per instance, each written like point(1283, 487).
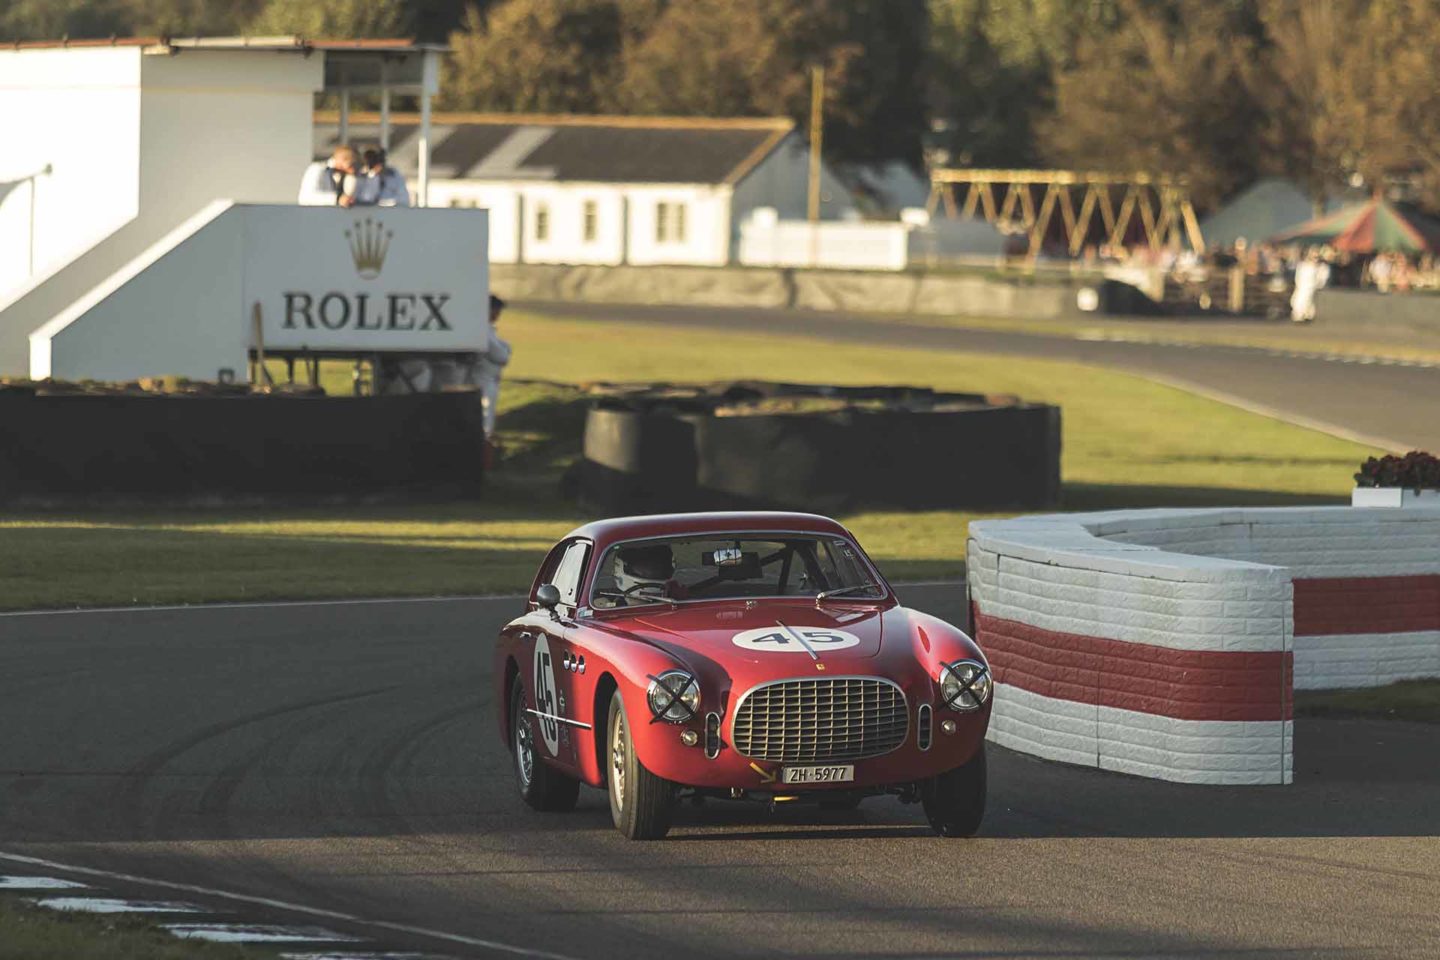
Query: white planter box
point(1393, 497)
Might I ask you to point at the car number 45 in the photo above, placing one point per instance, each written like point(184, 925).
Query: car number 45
point(834, 774)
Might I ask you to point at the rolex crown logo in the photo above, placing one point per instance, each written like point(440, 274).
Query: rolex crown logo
point(369, 242)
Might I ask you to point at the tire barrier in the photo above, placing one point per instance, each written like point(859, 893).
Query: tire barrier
point(758, 445)
point(1167, 643)
point(76, 448)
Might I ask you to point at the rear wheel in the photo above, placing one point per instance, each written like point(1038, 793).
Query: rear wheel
point(541, 785)
point(640, 802)
point(955, 800)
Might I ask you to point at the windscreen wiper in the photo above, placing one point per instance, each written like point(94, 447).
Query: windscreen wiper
point(633, 599)
point(841, 591)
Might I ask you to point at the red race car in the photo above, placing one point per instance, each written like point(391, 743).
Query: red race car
point(747, 656)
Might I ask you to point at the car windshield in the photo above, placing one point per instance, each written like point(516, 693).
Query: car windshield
point(723, 568)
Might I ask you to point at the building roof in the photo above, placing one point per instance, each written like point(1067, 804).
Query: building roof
point(302, 44)
point(599, 149)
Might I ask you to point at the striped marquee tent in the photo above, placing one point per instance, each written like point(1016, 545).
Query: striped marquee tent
point(1371, 227)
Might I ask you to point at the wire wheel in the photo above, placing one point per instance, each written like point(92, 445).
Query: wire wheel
point(524, 751)
point(640, 802)
point(541, 786)
point(617, 758)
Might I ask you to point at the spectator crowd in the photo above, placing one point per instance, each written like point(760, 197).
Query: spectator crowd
point(353, 179)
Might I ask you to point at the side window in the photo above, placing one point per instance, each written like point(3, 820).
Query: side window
point(568, 573)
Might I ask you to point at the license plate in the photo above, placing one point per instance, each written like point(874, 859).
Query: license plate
point(808, 775)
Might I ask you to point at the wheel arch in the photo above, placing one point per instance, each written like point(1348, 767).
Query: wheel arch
point(512, 671)
point(605, 688)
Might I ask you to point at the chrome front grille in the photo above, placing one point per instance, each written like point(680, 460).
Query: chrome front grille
point(820, 720)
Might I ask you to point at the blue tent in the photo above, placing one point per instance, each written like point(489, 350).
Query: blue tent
point(1261, 210)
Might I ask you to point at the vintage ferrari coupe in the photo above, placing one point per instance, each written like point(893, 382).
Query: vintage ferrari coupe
point(747, 656)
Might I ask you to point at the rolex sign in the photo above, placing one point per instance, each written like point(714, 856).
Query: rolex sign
point(373, 279)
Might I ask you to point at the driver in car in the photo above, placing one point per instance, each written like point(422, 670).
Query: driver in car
point(643, 571)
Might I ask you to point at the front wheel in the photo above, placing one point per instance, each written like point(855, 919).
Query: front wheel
point(954, 801)
point(640, 802)
point(541, 785)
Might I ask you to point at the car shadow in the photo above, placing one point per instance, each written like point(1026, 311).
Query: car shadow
point(1353, 777)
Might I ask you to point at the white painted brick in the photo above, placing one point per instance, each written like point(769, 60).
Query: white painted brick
point(1215, 777)
point(1196, 579)
point(1365, 660)
point(1270, 591)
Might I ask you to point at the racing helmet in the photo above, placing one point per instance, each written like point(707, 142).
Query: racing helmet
point(651, 563)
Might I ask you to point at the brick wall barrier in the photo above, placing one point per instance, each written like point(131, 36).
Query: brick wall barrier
point(1167, 643)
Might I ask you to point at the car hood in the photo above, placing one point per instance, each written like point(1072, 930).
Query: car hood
point(785, 635)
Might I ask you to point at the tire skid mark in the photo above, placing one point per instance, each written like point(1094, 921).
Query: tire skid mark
point(374, 771)
point(139, 775)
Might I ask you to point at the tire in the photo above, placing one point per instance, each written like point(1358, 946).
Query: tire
point(541, 786)
point(640, 802)
point(954, 801)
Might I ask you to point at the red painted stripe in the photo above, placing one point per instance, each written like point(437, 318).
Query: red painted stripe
point(1342, 605)
point(1184, 684)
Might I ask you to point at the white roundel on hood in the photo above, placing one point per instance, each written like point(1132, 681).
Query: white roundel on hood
point(811, 640)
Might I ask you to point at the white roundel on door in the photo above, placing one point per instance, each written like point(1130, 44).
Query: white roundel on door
point(545, 698)
point(779, 639)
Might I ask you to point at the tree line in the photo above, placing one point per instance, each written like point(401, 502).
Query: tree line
point(1331, 93)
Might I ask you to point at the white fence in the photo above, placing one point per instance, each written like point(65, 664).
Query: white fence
point(837, 245)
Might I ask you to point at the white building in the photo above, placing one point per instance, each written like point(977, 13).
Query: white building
point(126, 147)
point(608, 190)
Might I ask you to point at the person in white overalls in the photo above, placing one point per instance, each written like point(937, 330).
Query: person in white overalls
point(490, 365)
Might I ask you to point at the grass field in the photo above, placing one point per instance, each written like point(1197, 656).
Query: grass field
point(28, 933)
point(1128, 442)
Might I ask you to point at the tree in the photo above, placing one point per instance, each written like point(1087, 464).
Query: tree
point(1403, 129)
point(551, 56)
point(991, 72)
point(189, 18)
point(753, 57)
point(54, 19)
point(331, 18)
point(881, 98)
point(1305, 90)
point(1169, 91)
point(1353, 93)
point(434, 20)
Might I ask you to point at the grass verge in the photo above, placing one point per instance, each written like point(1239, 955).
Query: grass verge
point(30, 933)
point(1408, 700)
point(1127, 442)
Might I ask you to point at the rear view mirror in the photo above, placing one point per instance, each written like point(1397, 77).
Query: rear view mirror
point(548, 596)
point(746, 567)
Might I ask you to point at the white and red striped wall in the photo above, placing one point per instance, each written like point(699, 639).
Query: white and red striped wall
point(1167, 643)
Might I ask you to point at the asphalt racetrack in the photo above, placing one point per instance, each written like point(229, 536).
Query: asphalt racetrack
point(1384, 403)
point(344, 756)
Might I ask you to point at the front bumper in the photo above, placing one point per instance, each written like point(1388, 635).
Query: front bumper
point(663, 754)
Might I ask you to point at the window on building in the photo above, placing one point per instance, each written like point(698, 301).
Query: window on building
point(592, 221)
point(669, 222)
point(542, 222)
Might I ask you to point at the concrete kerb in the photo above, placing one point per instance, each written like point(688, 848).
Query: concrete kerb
point(1118, 637)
